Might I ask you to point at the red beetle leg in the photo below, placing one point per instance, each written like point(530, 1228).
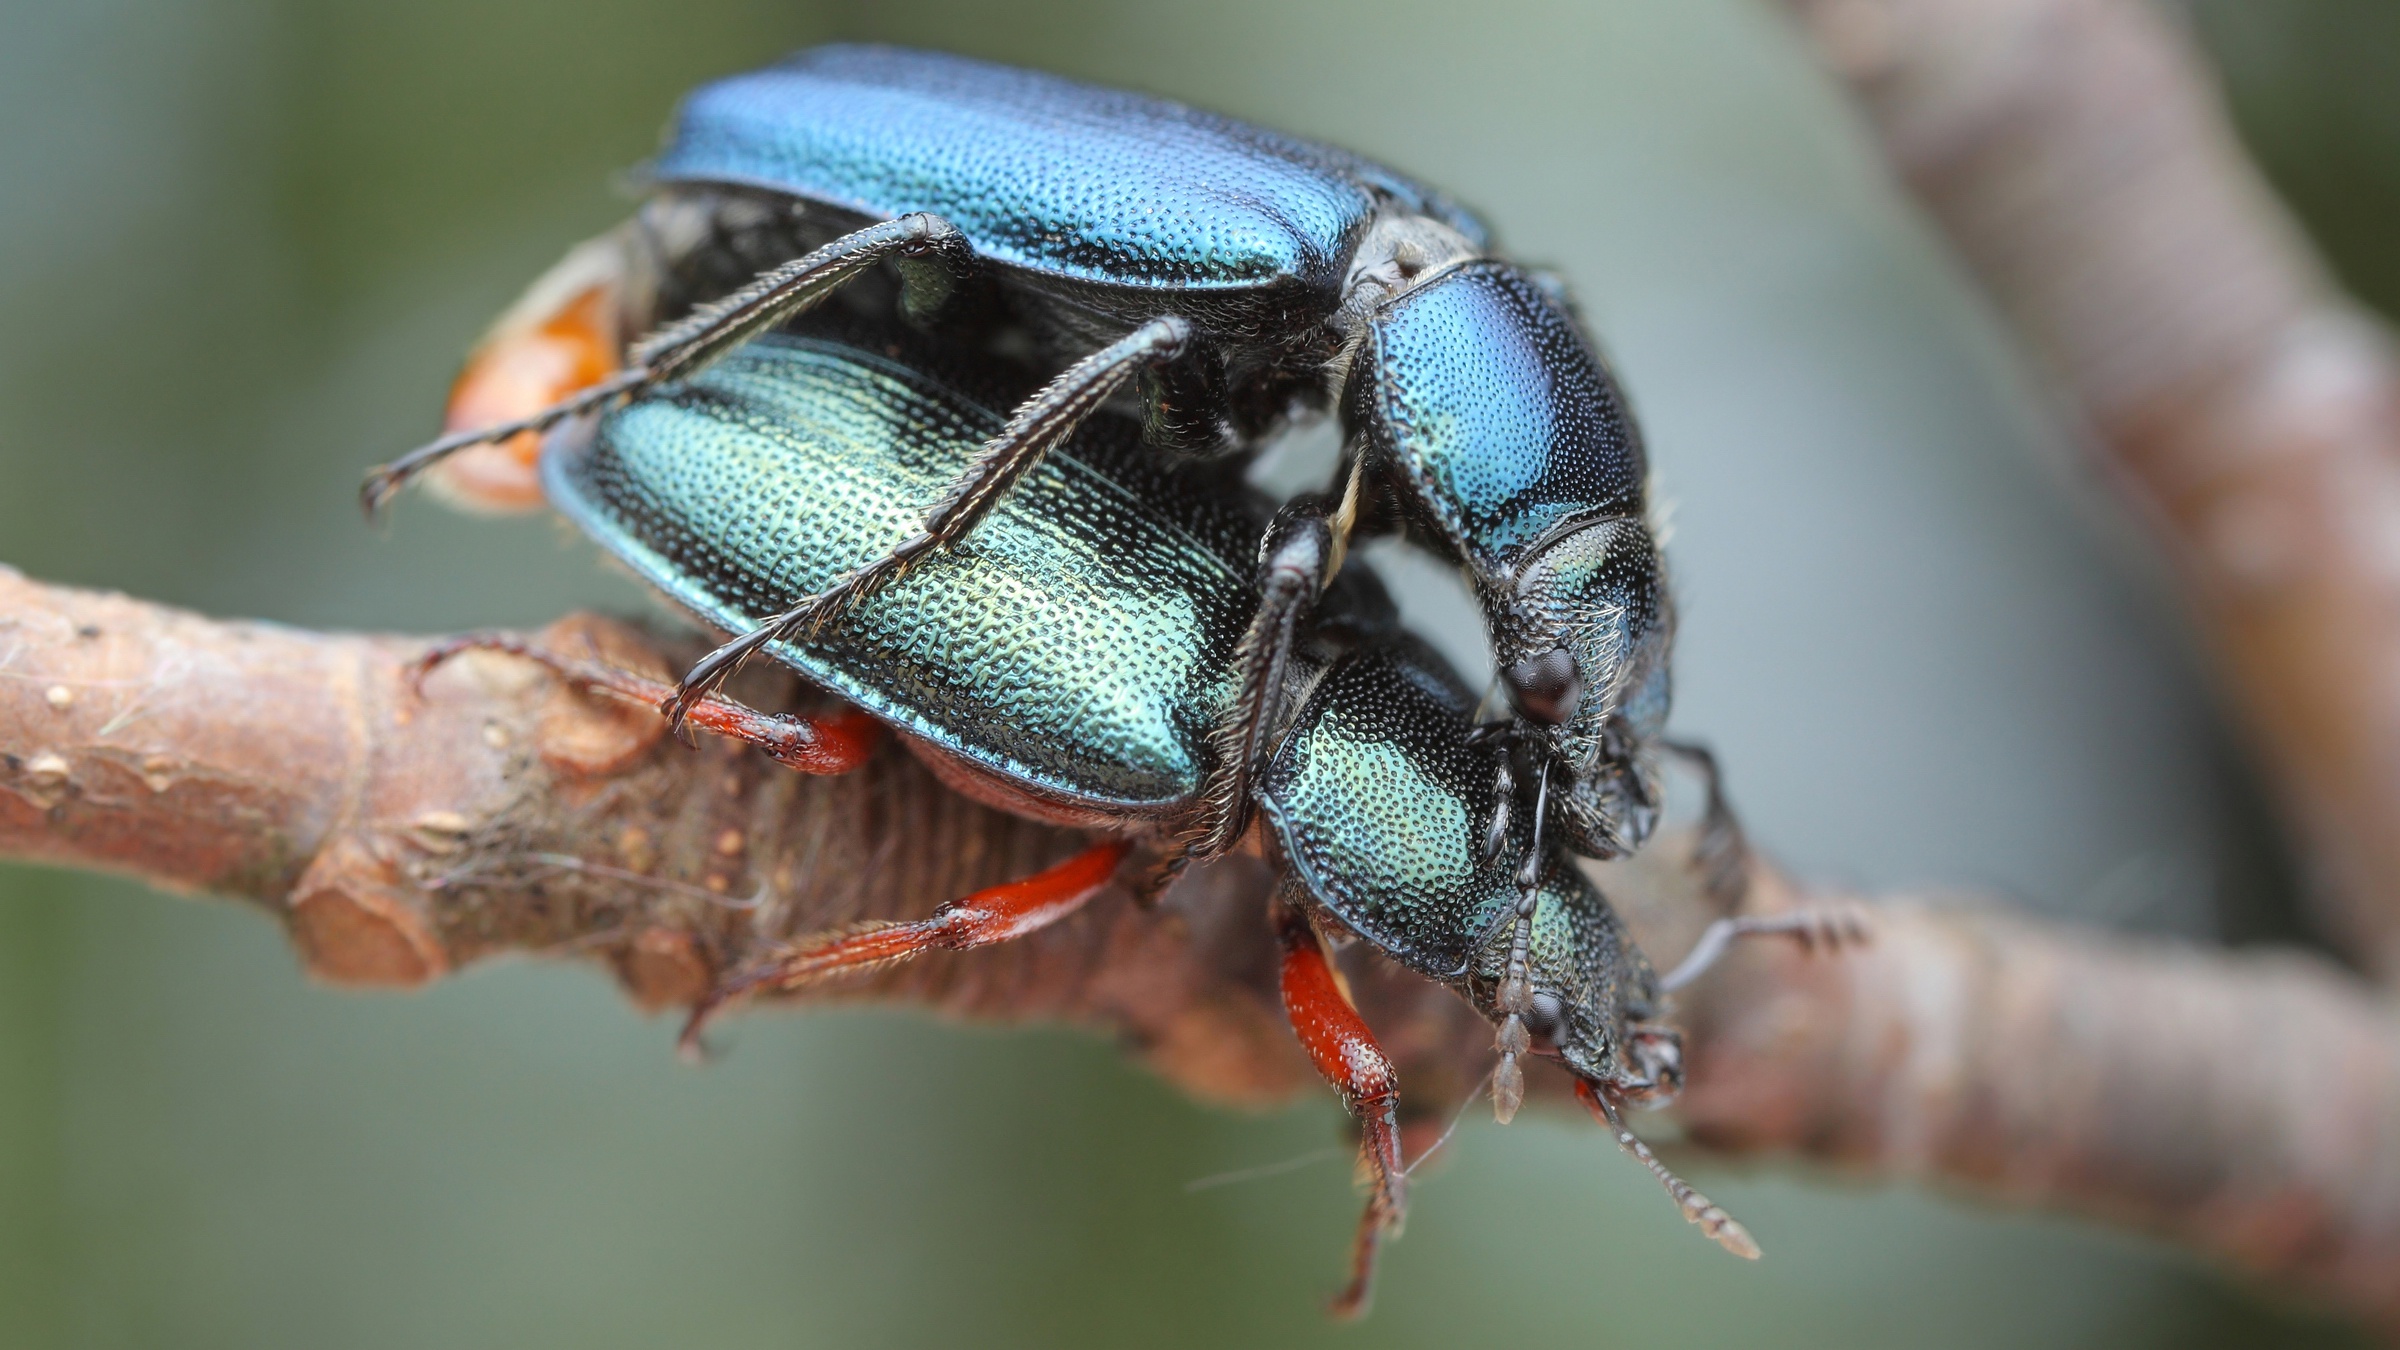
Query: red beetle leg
point(1341, 1047)
point(1001, 913)
point(822, 743)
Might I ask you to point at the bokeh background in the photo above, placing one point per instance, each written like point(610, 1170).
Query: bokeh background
point(242, 243)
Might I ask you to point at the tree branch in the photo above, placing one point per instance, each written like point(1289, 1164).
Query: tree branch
point(400, 835)
point(2245, 1106)
point(2078, 160)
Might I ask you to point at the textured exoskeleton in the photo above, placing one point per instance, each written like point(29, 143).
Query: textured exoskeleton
point(1238, 275)
point(1069, 661)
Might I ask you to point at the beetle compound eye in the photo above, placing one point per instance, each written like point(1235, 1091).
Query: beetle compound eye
point(1546, 1017)
point(1546, 688)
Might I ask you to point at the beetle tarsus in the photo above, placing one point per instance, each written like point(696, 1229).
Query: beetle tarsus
point(384, 481)
point(821, 743)
point(1827, 927)
point(1723, 851)
point(1344, 1051)
point(687, 346)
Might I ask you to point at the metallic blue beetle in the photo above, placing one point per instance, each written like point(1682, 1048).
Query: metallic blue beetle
point(1069, 661)
point(1241, 275)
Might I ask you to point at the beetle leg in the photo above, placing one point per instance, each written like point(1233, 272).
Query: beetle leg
point(1151, 884)
point(997, 914)
point(687, 346)
point(1655, 1053)
point(1504, 806)
point(1721, 1227)
point(1341, 1047)
point(1040, 423)
point(1296, 560)
point(823, 743)
point(1830, 926)
point(1724, 850)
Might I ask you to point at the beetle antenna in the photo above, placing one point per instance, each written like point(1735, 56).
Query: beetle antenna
point(1722, 1227)
point(1515, 994)
point(1266, 1170)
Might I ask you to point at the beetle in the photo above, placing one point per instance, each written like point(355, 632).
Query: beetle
point(1239, 275)
point(1068, 665)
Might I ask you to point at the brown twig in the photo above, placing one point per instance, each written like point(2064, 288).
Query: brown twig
point(2246, 1106)
point(400, 834)
point(2076, 157)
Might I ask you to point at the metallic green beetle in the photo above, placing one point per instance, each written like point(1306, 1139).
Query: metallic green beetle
point(1070, 661)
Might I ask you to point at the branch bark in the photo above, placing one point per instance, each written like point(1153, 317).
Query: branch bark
point(2246, 1106)
point(2076, 157)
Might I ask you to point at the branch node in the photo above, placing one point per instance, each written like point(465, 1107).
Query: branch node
point(355, 923)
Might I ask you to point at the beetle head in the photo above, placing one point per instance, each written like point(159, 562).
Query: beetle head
point(1591, 986)
point(1582, 630)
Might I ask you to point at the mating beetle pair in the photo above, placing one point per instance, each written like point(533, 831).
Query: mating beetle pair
point(778, 488)
point(1067, 662)
point(1241, 275)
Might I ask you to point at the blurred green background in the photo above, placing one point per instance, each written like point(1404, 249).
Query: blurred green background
point(242, 244)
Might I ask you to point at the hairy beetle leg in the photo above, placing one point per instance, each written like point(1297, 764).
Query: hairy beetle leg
point(1831, 927)
point(1721, 1227)
point(998, 914)
point(687, 346)
point(1301, 551)
point(823, 743)
point(1341, 1047)
point(1045, 419)
point(534, 363)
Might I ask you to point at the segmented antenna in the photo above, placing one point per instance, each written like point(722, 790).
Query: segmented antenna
point(1721, 1227)
point(1515, 994)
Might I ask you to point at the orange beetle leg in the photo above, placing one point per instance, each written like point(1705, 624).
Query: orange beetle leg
point(1000, 914)
point(1344, 1051)
point(823, 743)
